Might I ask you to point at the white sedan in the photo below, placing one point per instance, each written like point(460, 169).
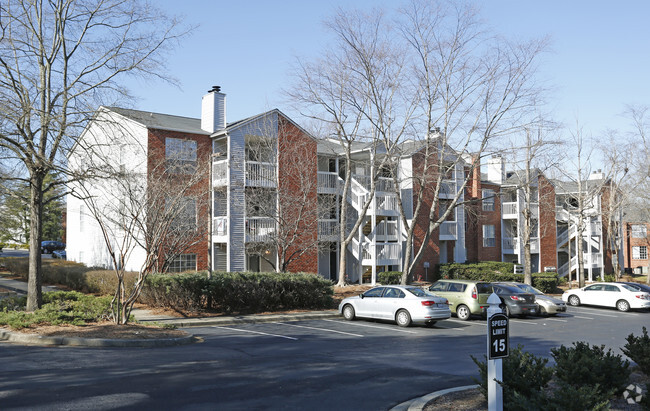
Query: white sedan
point(402, 304)
point(621, 296)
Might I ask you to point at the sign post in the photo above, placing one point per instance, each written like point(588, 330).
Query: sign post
point(498, 348)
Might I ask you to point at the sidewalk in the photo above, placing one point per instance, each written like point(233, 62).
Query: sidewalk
point(20, 286)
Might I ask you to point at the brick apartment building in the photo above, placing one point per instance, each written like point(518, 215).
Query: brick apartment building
point(270, 180)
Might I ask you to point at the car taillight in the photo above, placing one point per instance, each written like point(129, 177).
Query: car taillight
point(642, 296)
point(428, 303)
point(517, 298)
point(474, 295)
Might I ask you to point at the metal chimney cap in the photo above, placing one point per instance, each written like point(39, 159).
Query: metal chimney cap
point(215, 89)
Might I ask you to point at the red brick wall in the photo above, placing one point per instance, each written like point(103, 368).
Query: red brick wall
point(547, 224)
point(630, 242)
point(201, 190)
point(298, 180)
point(431, 252)
point(489, 218)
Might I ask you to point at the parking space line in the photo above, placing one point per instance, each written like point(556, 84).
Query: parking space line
point(584, 318)
point(556, 319)
point(372, 326)
point(484, 324)
point(450, 328)
point(602, 315)
point(256, 332)
point(320, 329)
point(523, 322)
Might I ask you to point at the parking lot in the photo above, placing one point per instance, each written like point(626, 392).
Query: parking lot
point(317, 364)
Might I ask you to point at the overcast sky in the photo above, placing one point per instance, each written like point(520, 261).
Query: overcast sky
point(599, 60)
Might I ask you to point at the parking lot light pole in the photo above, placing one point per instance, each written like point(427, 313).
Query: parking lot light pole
point(497, 339)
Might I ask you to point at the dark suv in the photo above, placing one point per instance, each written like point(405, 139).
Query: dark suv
point(48, 246)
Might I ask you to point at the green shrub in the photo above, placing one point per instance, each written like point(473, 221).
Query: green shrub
point(389, 277)
point(492, 271)
point(638, 349)
point(59, 307)
point(242, 292)
point(525, 375)
point(585, 365)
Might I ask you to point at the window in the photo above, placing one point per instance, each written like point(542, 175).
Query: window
point(82, 218)
point(640, 252)
point(180, 155)
point(639, 231)
point(488, 200)
point(182, 211)
point(489, 239)
point(375, 292)
point(184, 262)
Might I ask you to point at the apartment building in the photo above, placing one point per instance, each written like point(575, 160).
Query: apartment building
point(273, 195)
point(636, 242)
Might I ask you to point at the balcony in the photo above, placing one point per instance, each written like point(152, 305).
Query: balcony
point(220, 173)
point(259, 229)
point(510, 245)
point(448, 189)
point(328, 230)
point(260, 174)
point(328, 183)
point(220, 227)
point(509, 210)
point(386, 205)
point(386, 231)
point(448, 231)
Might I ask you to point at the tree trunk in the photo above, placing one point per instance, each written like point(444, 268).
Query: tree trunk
point(35, 279)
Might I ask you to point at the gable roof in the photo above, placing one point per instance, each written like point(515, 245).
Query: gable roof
point(162, 121)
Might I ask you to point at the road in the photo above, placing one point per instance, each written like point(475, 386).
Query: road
point(316, 365)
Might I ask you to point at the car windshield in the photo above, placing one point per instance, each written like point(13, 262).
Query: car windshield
point(418, 292)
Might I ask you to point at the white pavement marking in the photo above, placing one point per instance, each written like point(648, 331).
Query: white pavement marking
point(256, 332)
point(556, 319)
point(320, 329)
point(484, 324)
point(602, 315)
point(450, 328)
point(522, 322)
point(372, 326)
point(584, 318)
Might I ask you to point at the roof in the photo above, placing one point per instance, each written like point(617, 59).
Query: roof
point(162, 121)
point(569, 187)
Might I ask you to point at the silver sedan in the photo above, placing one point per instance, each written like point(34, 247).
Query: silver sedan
point(402, 304)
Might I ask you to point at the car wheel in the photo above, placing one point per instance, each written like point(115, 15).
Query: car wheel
point(574, 300)
point(348, 312)
point(463, 313)
point(507, 311)
point(403, 318)
point(623, 305)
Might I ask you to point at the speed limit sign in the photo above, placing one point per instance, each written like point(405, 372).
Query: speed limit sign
point(498, 336)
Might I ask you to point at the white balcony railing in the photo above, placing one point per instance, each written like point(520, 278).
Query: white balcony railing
point(510, 245)
point(328, 228)
point(386, 203)
point(260, 174)
point(447, 189)
point(388, 253)
point(259, 229)
point(220, 173)
point(448, 230)
point(327, 182)
point(220, 226)
point(509, 210)
point(386, 231)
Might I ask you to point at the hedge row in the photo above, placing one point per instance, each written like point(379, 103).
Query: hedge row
point(389, 277)
point(241, 292)
point(493, 271)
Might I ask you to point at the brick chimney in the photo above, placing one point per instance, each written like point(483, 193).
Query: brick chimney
point(213, 110)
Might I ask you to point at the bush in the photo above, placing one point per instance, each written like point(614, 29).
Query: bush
point(638, 349)
point(59, 307)
point(389, 277)
point(243, 292)
point(526, 375)
point(492, 271)
point(585, 365)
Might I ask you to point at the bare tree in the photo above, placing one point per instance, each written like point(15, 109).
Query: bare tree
point(150, 207)
point(639, 182)
point(474, 89)
point(58, 61)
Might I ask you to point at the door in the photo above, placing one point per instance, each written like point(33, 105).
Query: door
point(593, 294)
point(368, 306)
point(390, 302)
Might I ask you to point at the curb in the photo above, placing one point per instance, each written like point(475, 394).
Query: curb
point(418, 404)
point(244, 319)
point(93, 342)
